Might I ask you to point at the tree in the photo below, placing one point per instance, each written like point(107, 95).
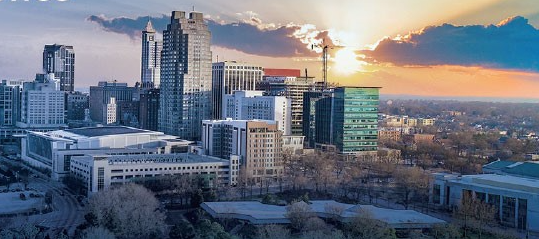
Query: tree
point(182, 230)
point(410, 182)
point(365, 227)
point(129, 211)
point(298, 212)
point(74, 183)
point(445, 231)
point(205, 229)
point(97, 233)
point(475, 213)
point(273, 231)
point(197, 198)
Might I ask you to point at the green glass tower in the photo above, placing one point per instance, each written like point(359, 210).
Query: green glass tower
point(355, 119)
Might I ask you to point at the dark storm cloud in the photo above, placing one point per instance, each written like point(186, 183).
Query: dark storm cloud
point(246, 37)
point(511, 44)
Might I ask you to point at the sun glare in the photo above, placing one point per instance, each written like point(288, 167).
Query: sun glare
point(346, 62)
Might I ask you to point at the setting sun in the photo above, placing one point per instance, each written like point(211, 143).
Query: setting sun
point(346, 62)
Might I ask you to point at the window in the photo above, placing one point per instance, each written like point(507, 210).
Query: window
point(508, 211)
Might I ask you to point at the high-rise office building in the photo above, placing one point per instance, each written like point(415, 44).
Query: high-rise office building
point(148, 109)
point(186, 83)
point(309, 115)
point(60, 60)
point(249, 105)
point(151, 58)
point(230, 76)
point(348, 120)
point(100, 97)
point(10, 102)
point(257, 143)
point(291, 86)
point(42, 103)
point(76, 104)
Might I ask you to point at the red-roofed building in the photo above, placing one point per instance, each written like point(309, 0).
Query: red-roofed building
point(282, 72)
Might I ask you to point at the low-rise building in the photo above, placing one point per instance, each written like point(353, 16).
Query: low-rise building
point(53, 150)
point(100, 172)
point(515, 198)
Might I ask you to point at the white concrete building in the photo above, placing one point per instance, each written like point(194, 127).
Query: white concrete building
point(42, 103)
point(54, 149)
point(248, 105)
point(293, 144)
point(516, 198)
point(110, 110)
point(100, 172)
point(230, 76)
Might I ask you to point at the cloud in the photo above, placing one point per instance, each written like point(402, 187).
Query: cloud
point(249, 35)
point(511, 44)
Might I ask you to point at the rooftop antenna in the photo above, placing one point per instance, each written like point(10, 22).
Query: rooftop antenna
point(193, 8)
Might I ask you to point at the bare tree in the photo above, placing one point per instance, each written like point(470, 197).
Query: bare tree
point(298, 213)
point(97, 233)
point(273, 231)
point(410, 182)
point(129, 211)
point(365, 227)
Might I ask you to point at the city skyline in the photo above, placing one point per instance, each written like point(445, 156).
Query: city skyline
point(280, 35)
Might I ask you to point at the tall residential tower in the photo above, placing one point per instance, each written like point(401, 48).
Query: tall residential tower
point(60, 60)
point(186, 80)
point(151, 58)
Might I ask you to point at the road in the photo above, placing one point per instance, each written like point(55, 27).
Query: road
point(67, 212)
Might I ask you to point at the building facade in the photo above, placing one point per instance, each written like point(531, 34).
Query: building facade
point(101, 95)
point(355, 123)
point(100, 172)
point(42, 103)
point(149, 109)
point(291, 87)
point(249, 105)
point(76, 104)
point(10, 102)
point(230, 76)
point(53, 150)
point(345, 120)
point(515, 198)
point(186, 80)
point(257, 143)
point(150, 75)
point(60, 60)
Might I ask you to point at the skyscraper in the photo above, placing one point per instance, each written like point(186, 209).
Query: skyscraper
point(346, 118)
point(230, 76)
point(151, 58)
point(60, 60)
point(186, 81)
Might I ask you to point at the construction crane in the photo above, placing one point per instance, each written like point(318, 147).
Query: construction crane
point(325, 48)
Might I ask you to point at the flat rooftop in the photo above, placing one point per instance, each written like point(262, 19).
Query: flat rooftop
point(258, 213)
point(106, 130)
point(507, 182)
point(162, 158)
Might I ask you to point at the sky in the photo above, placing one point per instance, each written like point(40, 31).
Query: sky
point(447, 48)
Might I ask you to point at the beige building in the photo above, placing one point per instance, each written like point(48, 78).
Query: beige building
point(258, 143)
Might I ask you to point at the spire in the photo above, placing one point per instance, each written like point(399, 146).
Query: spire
point(149, 26)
